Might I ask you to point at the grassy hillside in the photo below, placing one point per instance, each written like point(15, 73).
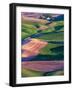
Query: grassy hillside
point(53, 36)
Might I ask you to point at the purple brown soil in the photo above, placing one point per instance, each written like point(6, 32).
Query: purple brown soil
point(33, 20)
point(43, 66)
point(37, 15)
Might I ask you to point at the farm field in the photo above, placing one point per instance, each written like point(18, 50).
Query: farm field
point(42, 46)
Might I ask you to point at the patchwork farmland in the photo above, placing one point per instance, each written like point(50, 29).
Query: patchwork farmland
point(42, 47)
